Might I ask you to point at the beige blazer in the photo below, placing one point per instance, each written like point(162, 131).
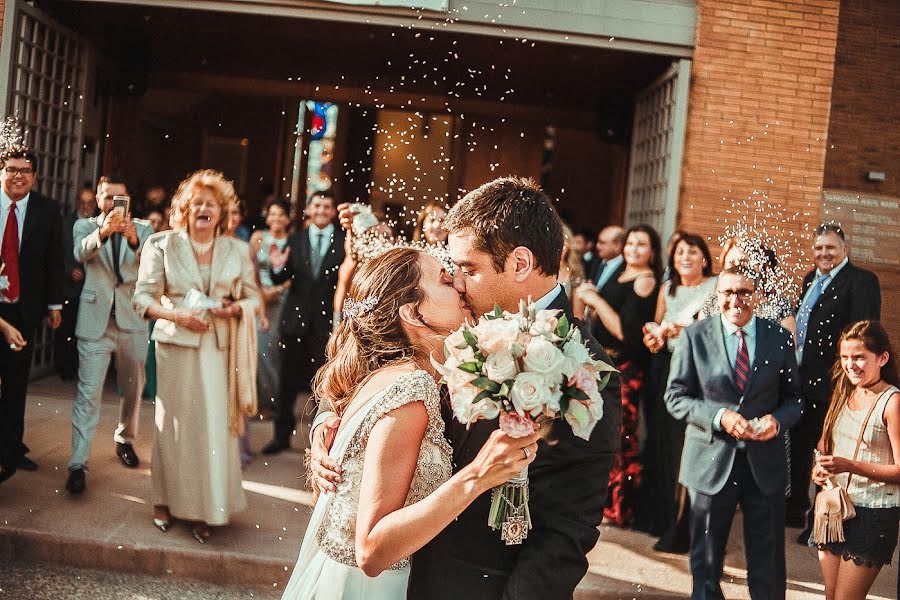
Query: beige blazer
point(100, 285)
point(169, 271)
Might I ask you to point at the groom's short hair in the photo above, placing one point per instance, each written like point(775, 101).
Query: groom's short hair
point(509, 212)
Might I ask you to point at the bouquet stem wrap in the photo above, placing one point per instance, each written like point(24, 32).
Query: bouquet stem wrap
point(509, 509)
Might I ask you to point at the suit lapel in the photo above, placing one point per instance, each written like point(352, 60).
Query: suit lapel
point(837, 285)
point(32, 217)
point(306, 245)
point(715, 334)
point(185, 254)
point(763, 332)
point(219, 258)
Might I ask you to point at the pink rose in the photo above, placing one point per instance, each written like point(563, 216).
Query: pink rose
point(515, 425)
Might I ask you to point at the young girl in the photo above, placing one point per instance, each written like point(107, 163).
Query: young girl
point(865, 377)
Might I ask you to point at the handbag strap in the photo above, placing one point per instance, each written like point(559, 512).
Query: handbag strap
point(862, 431)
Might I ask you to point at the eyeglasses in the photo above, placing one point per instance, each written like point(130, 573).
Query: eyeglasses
point(742, 295)
point(13, 171)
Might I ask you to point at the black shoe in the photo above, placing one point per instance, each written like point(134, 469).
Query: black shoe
point(26, 464)
point(77, 482)
point(127, 455)
point(275, 447)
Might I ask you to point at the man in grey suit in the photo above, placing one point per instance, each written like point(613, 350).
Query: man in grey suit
point(109, 247)
point(734, 381)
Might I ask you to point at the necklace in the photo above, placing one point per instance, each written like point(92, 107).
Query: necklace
point(201, 248)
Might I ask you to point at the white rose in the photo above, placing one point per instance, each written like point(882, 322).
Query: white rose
point(545, 323)
point(467, 411)
point(543, 357)
point(580, 419)
point(452, 374)
point(496, 335)
point(456, 343)
point(530, 392)
point(500, 366)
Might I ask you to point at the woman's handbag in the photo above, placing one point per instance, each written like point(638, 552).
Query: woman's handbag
point(833, 504)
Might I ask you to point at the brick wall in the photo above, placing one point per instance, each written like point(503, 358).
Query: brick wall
point(758, 110)
point(863, 134)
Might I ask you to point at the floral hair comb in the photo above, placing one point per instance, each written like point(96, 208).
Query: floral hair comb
point(356, 308)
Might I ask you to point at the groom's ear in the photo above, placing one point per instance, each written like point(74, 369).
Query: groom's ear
point(521, 261)
point(410, 316)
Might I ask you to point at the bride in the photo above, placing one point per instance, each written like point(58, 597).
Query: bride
point(396, 492)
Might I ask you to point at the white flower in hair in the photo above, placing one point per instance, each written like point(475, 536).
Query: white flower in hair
point(357, 308)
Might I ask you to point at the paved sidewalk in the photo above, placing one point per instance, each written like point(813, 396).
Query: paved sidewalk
point(109, 526)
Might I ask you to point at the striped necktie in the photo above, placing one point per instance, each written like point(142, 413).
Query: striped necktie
point(741, 363)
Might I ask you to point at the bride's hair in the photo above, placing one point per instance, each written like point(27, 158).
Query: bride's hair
point(373, 338)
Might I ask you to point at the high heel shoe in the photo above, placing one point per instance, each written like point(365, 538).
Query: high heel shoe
point(200, 532)
point(162, 520)
point(162, 524)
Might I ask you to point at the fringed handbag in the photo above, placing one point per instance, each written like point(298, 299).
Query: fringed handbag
point(833, 504)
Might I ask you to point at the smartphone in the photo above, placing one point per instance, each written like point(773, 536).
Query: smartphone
point(122, 204)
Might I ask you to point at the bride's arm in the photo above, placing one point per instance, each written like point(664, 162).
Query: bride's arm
point(386, 531)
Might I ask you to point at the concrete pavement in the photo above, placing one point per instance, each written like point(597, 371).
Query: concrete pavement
point(109, 526)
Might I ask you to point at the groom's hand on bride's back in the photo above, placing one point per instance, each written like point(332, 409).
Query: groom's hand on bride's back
point(326, 473)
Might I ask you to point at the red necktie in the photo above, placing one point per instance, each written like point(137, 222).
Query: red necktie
point(9, 254)
point(742, 363)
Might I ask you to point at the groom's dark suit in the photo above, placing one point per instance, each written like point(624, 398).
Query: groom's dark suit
point(568, 482)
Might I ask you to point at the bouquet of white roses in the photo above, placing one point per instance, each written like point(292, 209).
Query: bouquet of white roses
point(520, 367)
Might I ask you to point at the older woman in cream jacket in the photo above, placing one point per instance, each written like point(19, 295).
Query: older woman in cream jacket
point(196, 472)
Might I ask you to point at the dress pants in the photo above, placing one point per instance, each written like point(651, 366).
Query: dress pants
point(14, 371)
point(65, 342)
point(301, 357)
point(711, 518)
point(130, 348)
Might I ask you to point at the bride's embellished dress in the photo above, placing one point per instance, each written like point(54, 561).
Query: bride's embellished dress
point(326, 567)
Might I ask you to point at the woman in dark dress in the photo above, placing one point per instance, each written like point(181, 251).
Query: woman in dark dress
point(664, 506)
point(619, 316)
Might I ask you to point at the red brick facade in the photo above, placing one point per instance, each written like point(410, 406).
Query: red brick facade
point(758, 109)
point(863, 135)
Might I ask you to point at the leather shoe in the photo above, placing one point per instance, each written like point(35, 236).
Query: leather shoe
point(26, 464)
point(76, 483)
point(275, 447)
point(127, 455)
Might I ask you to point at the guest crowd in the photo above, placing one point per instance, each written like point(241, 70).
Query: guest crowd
point(732, 391)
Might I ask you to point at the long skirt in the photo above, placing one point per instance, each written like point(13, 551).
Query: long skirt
point(196, 468)
point(625, 475)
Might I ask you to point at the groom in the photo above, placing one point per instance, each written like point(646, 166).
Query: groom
point(506, 240)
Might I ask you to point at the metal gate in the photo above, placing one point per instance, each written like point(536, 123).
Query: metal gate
point(657, 145)
point(42, 78)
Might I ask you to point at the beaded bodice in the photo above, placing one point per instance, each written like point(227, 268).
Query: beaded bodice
point(336, 536)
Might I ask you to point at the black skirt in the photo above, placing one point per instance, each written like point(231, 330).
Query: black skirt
point(870, 537)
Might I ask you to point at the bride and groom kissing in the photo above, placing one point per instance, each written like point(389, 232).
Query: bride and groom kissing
point(404, 502)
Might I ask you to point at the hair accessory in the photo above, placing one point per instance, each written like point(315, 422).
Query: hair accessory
point(356, 308)
point(11, 138)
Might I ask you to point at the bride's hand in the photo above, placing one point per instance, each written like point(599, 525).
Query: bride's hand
point(502, 458)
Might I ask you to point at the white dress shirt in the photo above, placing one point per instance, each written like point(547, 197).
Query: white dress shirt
point(608, 270)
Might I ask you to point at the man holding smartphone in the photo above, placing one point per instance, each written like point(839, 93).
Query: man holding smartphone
point(109, 246)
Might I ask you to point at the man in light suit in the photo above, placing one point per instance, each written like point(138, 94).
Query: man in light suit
point(109, 247)
point(310, 261)
point(734, 381)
